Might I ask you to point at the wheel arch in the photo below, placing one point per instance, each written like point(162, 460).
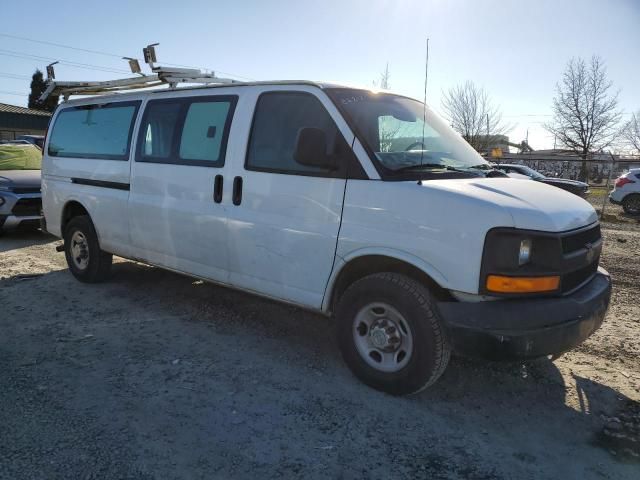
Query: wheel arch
point(72, 208)
point(630, 195)
point(365, 262)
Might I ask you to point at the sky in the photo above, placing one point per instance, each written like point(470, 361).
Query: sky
point(515, 50)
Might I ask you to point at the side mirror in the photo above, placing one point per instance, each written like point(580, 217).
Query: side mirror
point(311, 149)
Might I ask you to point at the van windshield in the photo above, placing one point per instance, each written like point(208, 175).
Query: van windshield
point(393, 128)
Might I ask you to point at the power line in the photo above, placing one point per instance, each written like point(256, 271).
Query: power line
point(28, 56)
point(530, 115)
point(108, 54)
point(97, 52)
point(14, 93)
point(14, 76)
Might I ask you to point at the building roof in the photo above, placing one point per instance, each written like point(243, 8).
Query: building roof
point(6, 108)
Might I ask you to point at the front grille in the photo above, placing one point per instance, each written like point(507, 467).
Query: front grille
point(21, 190)
point(576, 241)
point(574, 279)
point(27, 207)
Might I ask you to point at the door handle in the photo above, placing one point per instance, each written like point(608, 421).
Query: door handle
point(237, 190)
point(217, 189)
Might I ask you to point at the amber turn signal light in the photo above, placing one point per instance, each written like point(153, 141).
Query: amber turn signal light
point(501, 284)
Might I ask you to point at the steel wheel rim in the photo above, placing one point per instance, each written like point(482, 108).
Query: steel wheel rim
point(382, 337)
point(79, 250)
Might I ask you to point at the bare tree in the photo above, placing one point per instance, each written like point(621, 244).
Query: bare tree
point(388, 131)
point(384, 79)
point(472, 114)
point(585, 112)
point(631, 131)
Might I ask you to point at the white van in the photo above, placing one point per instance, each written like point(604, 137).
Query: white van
point(338, 200)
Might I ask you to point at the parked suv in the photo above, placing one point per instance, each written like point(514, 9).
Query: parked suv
point(20, 198)
point(37, 140)
point(336, 199)
point(626, 191)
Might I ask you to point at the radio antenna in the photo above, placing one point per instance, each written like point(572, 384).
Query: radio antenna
point(424, 105)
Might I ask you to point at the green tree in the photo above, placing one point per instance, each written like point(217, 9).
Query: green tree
point(38, 86)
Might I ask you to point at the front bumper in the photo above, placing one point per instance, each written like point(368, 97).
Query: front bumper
point(615, 202)
point(527, 328)
point(20, 210)
point(12, 222)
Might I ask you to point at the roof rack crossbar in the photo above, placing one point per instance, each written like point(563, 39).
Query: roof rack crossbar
point(172, 77)
point(161, 75)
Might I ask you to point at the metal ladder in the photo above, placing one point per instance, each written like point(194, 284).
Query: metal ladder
point(160, 76)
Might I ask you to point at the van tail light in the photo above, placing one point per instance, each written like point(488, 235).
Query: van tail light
point(622, 181)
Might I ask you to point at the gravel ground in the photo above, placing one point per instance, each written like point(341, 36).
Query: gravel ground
point(155, 375)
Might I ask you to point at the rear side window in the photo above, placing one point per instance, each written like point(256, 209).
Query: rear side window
point(203, 130)
point(277, 119)
point(188, 131)
point(94, 131)
point(158, 129)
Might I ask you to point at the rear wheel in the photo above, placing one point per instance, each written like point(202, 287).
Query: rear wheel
point(390, 335)
point(85, 259)
point(631, 204)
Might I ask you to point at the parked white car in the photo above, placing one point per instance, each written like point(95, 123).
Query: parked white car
point(336, 199)
point(626, 191)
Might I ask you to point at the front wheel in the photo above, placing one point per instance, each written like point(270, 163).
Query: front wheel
point(81, 248)
point(390, 335)
point(631, 204)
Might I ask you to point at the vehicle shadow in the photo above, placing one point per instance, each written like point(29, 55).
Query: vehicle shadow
point(630, 216)
point(534, 400)
point(512, 401)
point(183, 359)
point(21, 239)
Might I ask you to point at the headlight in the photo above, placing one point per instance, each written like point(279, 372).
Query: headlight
point(510, 267)
point(1, 201)
point(524, 255)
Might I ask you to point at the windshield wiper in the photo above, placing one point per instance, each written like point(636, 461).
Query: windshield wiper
point(438, 166)
point(420, 166)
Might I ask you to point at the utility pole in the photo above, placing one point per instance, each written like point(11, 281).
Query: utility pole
point(487, 133)
point(606, 188)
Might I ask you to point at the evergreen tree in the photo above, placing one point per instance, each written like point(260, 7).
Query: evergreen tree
point(38, 85)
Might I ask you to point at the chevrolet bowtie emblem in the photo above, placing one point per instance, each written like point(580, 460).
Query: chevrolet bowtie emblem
point(590, 252)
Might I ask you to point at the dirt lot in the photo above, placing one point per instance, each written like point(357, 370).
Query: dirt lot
point(155, 375)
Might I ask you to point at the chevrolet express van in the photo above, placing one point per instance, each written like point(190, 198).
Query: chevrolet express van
point(358, 204)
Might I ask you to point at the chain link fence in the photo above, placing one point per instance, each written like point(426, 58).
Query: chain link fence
point(602, 170)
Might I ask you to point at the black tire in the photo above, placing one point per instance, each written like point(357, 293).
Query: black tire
point(98, 262)
point(631, 204)
point(430, 349)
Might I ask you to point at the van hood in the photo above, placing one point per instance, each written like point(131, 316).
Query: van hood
point(531, 205)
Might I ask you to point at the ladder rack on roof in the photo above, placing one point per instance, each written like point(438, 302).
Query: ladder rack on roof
point(160, 76)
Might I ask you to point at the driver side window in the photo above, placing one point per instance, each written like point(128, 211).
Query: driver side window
point(278, 118)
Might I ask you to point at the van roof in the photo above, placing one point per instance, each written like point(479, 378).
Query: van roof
point(161, 89)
